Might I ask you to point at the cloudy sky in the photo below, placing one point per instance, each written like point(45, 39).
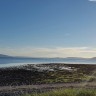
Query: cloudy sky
point(48, 28)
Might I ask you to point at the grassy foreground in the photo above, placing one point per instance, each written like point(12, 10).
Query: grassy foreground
point(67, 92)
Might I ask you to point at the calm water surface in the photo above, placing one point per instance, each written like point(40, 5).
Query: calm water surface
point(7, 62)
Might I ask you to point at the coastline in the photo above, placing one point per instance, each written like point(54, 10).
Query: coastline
point(40, 63)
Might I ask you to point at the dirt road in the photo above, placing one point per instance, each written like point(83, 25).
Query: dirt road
point(19, 90)
point(57, 85)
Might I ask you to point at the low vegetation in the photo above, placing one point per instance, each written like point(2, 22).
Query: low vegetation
point(67, 92)
point(48, 74)
point(24, 76)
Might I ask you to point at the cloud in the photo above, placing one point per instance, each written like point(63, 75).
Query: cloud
point(51, 52)
point(92, 0)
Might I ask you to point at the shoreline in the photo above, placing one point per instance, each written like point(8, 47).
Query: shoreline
point(24, 64)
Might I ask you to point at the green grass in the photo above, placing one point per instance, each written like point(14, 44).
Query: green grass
point(67, 92)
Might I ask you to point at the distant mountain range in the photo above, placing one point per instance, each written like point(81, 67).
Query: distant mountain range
point(67, 58)
point(70, 58)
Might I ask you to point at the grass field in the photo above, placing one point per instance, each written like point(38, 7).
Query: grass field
point(67, 92)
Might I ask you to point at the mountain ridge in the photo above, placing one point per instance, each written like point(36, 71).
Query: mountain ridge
point(8, 56)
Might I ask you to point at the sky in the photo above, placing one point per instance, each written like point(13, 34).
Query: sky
point(48, 28)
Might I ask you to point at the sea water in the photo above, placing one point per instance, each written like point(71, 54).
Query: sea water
point(8, 62)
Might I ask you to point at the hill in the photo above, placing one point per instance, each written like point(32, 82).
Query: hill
point(2, 56)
